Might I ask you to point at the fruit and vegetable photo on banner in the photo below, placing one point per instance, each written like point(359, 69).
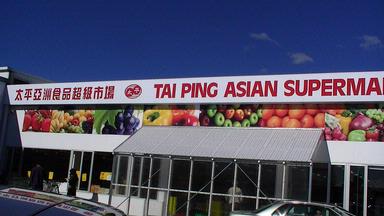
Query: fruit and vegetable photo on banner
point(255, 115)
point(171, 115)
point(123, 121)
point(362, 123)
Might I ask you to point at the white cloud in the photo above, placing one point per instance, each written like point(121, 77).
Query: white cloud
point(300, 58)
point(263, 37)
point(370, 41)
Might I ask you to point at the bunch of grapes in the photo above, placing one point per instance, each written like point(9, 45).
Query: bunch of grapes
point(376, 114)
point(125, 123)
point(87, 125)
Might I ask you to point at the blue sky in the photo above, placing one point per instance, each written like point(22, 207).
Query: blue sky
point(121, 40)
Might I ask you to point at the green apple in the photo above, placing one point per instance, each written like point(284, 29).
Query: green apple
point(259, 113)
point(253, 118)
point(245, 123)
point(211, 110)
point(219, 119)
point(236, 124)
point(227, 123)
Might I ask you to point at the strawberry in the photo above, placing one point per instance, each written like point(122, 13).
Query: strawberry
point(36, 122)
point(27, 122)
point(46, 125)
point(46, 113)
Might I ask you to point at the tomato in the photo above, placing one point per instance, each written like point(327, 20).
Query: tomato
point(274, 121)
point(307, 121)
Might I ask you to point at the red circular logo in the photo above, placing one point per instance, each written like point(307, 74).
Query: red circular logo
point(133, 91)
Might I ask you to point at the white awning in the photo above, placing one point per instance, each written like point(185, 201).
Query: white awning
point(265, 144)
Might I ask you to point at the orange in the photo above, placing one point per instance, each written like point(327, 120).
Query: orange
point(320, 120)
point(274, 121)
point(293, 123)
point(312, 109)
point(296, 111)
point(268, 112)
point(284, 121)
point(307, 121)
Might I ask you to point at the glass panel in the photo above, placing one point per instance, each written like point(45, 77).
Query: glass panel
point(302, 210)
point(136, 170)
point(220, 205)
point(85, 170)
point(356, 190)
point(199, 204)
point(224, 173)
point(121, 175)
point(297, 182)
point(160, 173)
point(144, 180)
point(247, 204)
point(375, 191)
point(247, 178)
point(177, 203)
point(76, 160)
point(102, 163)
point(201, 177)
point(122, 170)
point(264, 202)
point(271, 180)
point(180, 174)
point(337, 184)
point(319, 182)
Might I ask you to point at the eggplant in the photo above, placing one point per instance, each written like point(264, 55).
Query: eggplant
point(361, 122)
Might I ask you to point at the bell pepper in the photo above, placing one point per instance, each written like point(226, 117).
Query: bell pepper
point(185, 120)
point(357, 135)
point(158, 116)
point(344, 122)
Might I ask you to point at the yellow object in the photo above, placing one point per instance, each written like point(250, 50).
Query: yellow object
point(50, 175)
point(84, 177)
point(78, 173)
point(344, 123)
point(217, 208)
point(158, 116)
point(106, 176)
point(29, 174)
point(172, 202)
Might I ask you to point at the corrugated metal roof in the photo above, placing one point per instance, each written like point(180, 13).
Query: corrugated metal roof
point(280, 144)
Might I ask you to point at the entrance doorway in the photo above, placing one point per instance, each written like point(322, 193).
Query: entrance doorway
point(83, 163)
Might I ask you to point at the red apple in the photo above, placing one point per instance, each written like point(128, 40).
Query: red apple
point(239, 115)
point(229, 113)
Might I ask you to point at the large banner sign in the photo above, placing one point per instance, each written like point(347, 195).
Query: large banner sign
point(314, 88)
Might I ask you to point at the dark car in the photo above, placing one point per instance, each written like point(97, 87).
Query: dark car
point(295, 208)
point(15, 201)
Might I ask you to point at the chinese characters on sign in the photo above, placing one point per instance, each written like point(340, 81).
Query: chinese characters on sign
point(75, 93)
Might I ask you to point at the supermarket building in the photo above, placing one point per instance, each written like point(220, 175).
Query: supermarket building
point(177, 146)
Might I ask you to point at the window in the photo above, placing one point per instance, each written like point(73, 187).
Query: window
point(201, 177)
point(297, 184)
point(180, 174)
point(224, 172)
point(337, 184)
